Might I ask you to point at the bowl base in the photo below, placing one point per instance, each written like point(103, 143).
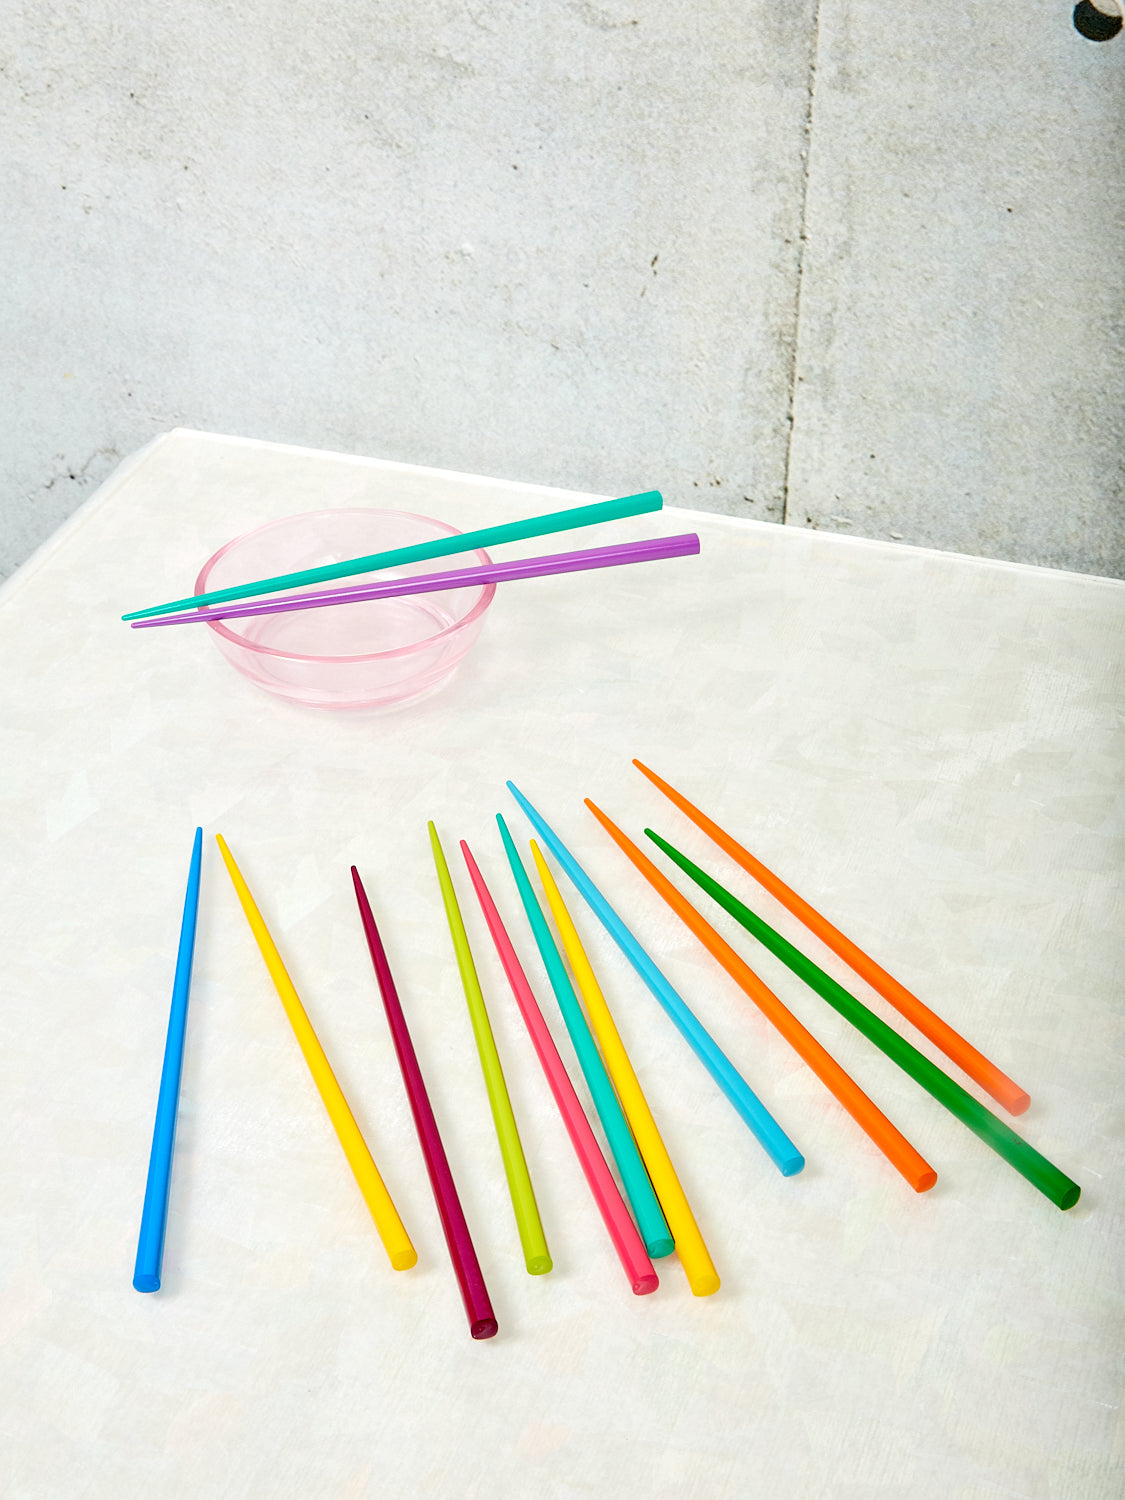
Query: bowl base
point(390, 706)
point(352, 629)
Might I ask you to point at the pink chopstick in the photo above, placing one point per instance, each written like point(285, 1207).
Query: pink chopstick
point(622, 1231)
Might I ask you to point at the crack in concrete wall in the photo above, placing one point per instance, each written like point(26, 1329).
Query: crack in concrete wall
point(806, 152)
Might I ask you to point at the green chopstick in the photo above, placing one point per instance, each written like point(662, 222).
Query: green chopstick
point(536, 1256)
point(1029, 1163)
point(467, 541)
point(651, 1223)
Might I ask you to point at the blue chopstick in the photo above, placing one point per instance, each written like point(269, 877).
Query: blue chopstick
point(774, 1141)
point(154, 1215)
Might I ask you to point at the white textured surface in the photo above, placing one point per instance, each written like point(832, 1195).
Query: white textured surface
point(924, 744)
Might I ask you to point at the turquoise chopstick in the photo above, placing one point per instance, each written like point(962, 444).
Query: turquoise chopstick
point(154, 1214)
point(488, 536)
point(642, 1199)
point(769, 1134)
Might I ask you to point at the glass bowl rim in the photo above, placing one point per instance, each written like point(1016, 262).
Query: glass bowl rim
point(488, 590)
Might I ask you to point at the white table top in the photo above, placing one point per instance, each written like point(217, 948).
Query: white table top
point(924, 745)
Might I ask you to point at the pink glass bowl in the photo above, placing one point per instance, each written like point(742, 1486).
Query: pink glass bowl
point(382, 653)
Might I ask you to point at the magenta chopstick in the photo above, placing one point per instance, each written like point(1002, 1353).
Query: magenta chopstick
point(622, 1231)
point(621, 553)
point(470, 1279)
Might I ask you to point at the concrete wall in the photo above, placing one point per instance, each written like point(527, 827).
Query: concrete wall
point(820, 262)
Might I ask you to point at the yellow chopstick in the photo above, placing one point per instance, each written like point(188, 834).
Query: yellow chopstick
point(395, 1239)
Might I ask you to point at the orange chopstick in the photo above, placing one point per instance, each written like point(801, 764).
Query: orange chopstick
point(1014, 1099)
point(889, 1139)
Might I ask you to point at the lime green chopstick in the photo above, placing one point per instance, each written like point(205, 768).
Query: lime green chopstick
point(467, 541)
point(536, 1256)
point(994, 1132)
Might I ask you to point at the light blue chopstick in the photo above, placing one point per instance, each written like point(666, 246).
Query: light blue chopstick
point(651, 1223)
point(154, 1215)
point(460, 541)
point(773, 1140)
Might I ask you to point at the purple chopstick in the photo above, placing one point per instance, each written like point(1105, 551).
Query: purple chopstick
point(653, 550)
point(474, 1293)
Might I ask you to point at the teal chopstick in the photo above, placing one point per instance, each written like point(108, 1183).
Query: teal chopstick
point(154, 1214)
point(642, 1199)
point(1018, 1153)
point(754, 1114)
point(467, 541)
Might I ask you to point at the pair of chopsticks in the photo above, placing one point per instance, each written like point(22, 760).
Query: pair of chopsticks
point(154, 1215)
point(223, 604)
